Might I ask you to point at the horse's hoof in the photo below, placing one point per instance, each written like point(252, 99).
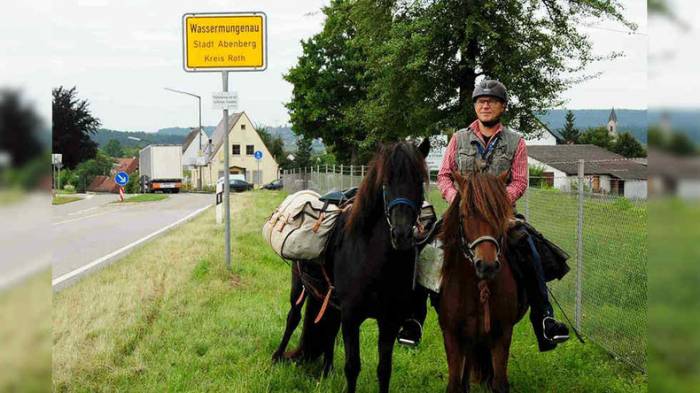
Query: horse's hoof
point(277, 357)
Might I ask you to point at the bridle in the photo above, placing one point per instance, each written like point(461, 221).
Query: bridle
point(392, 204)
point(468, 249)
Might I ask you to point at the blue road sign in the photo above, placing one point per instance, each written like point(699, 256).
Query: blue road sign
point(258, 155)
point(121, 178)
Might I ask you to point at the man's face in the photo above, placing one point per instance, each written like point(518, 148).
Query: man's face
point(488, 109)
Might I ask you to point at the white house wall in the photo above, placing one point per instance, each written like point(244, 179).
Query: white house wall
point(189, 157)
point(636, 189)
point(688, 189)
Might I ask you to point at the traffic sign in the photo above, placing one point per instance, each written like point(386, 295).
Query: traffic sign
point(224, 41)
point(121, 178)
point(258, 155)
point(225, 100)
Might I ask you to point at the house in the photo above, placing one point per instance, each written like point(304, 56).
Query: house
point(543, 136)
point(674, 175)
point(244, 141)
point(106, 183)
point(604, 172)
point(193, 153)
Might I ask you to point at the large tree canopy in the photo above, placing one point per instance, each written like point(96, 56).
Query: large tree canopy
point(382, 69)
point(73, 123)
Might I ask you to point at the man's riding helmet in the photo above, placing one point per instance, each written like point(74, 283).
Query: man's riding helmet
point(491, 88)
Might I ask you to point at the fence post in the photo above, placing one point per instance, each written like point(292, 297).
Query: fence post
point(579, 248)
point(352, 174)
point(362, 172)
point(341, 177)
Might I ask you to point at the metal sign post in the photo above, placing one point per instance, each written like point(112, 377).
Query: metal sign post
point(226, 42)
point(258, 156)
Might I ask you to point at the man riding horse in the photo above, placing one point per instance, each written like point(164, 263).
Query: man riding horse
point(488, 146)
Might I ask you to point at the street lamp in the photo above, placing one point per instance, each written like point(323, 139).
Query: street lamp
point(199, 102)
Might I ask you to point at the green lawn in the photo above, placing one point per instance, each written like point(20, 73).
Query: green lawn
point(61, 200)
point(145, 198)
point(169, 317)
point(674, 296)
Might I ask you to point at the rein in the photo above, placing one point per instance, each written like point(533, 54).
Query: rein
point(467, 249)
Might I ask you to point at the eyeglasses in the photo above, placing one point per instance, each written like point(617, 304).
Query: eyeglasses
point(484, 101)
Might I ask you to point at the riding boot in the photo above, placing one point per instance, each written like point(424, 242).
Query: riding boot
point(411, 330)
point(549, 331)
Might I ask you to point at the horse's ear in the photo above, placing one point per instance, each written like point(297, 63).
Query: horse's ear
point(424, 147)
point(503, 177)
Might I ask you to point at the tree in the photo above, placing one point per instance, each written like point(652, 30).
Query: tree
point(656, 137)
point(569, 132)
point(329, 82)
point(303, 156)
point(274, 144)
point(383, 70)
point(598, 136)
point(114, 149)
point(86, 171)
point(627, 145)
point(19, 129)
point(73, 123)
point(681, 144)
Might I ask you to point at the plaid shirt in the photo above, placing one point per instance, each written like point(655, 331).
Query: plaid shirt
point(518, 183)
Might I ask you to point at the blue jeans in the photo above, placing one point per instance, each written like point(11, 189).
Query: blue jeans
point(539, 276)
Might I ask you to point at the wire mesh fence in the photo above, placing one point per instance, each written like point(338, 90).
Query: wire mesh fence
point(601, 221)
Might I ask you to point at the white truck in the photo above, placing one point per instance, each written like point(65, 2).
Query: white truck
point(160, 167)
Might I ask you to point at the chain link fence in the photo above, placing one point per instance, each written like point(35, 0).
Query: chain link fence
point(589, 216)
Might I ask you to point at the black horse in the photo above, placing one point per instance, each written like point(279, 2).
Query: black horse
point(370, 261)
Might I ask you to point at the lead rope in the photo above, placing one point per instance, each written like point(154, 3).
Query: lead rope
point(484, 294)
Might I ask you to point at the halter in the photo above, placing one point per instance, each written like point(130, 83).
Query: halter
point(392, 204)
point(468, 249)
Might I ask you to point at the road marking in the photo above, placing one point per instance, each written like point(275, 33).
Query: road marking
point(84, 268)
point(83, 211)
point(88, 216)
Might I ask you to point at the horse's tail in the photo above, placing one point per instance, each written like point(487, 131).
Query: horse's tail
point(482, 367)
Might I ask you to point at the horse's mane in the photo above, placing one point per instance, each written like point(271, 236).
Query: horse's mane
point(398, 162)
point(485, 196)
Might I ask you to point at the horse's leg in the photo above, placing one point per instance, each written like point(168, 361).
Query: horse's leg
point(330, 331)
point(455, 363)
point(499, 354)
point(293, 316)
point(388, 330)
point(351, 339)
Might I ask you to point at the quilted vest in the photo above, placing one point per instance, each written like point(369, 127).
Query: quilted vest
point(499, 160)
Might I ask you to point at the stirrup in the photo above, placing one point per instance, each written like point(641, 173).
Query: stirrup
point(557, 338)
point(411, 342)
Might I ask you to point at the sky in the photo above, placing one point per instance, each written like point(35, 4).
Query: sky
point(122, 54)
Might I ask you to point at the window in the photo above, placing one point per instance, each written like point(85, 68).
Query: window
point(250, 150)
point(236, 150)
point(242, 126)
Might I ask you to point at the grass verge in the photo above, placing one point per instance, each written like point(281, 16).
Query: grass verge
point(145, 198)
point(25, 334)
point(62, 200)
point(170, 317)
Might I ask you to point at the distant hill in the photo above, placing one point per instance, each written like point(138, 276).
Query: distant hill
point(102, 136)
point(290, 139)
point(632, 120)
point(686, 121)
point(183, 131)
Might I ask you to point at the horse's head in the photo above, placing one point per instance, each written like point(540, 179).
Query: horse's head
point(484, 216)
point(394, 183)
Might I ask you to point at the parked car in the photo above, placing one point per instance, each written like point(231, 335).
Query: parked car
point(240, 185)
point(273, 185)
point(237, 185)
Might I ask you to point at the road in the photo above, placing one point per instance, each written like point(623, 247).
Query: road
point(24, 238)
point(90, 233)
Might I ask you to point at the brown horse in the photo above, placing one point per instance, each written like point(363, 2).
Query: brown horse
point(479, 298)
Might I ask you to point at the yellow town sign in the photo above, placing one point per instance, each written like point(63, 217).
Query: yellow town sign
point(224, 42)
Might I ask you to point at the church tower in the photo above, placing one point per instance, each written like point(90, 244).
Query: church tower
point(612, 124)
